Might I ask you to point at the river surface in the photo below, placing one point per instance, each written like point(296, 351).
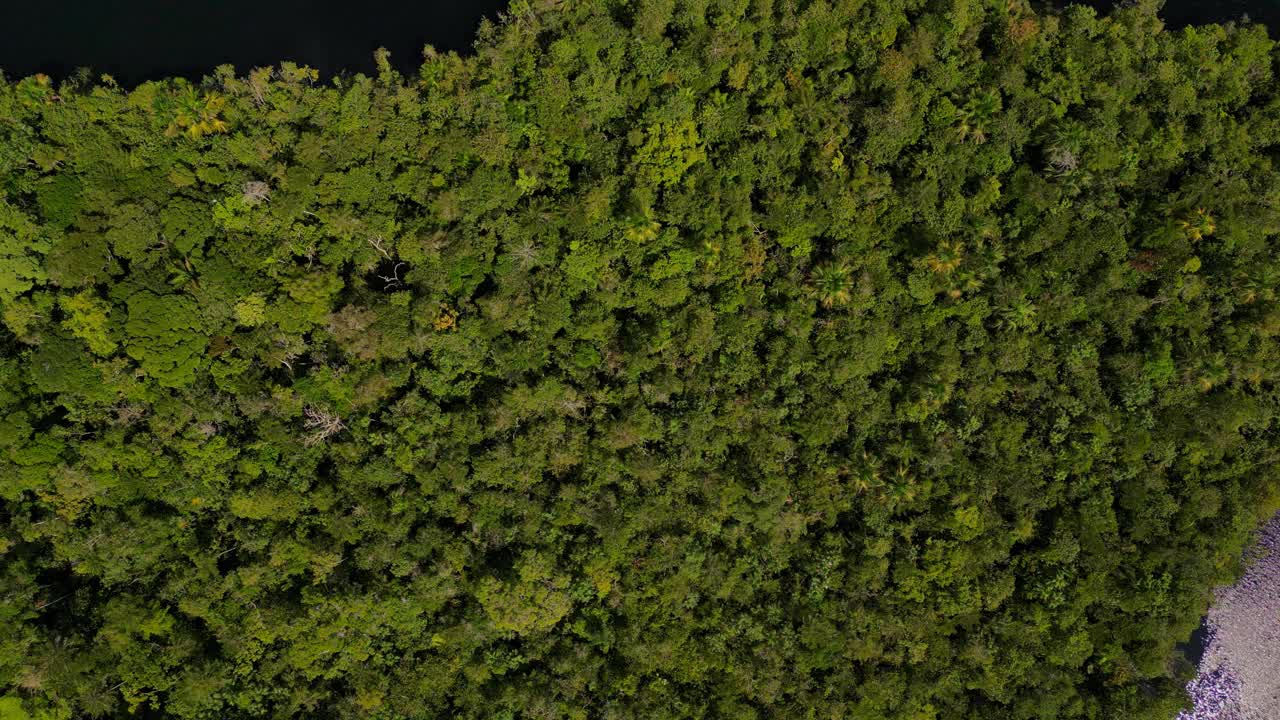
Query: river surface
point(137, 40)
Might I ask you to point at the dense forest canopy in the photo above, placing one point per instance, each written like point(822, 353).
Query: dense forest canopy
point(868, 359)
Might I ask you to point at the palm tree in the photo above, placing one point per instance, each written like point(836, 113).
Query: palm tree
point(903, 488)
point(866, 476)
point(831, 283)
point(183, 274)
point(1197, 225)
point(966, 281)
point(641, 228)
point(1260, 284)
point(196, 115)
point(948, 257)
point(1213, 371)
point(977, 114)
point(1021, 314)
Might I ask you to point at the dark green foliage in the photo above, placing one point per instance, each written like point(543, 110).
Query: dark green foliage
point(664, 359)
point(164, 337)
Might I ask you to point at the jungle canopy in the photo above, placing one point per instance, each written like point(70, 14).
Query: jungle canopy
point(868, 359)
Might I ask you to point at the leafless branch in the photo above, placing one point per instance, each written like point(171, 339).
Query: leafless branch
point(394, 279)
point(45, 605)
point(322, 424)
point(376, 242)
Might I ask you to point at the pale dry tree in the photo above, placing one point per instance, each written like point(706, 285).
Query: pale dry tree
point(323, 424)
point(255, 191)
point(571, 405)
point(127, 414)
point(527, 254)
point(259, 82)
point(1063, 161)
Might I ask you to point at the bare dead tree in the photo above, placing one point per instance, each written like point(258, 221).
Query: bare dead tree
point(128, 414)
point(323, 424)
point(256, 191)
point(1063, 161)
point(527, 254)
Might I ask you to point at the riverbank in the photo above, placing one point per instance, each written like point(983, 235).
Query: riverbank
point(1238, 675)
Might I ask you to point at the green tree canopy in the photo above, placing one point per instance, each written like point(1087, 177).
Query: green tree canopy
point(881, 360)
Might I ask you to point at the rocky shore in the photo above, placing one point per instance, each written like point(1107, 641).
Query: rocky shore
point(1239, 676)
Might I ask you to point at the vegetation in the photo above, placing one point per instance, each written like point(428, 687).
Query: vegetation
point(868, 359)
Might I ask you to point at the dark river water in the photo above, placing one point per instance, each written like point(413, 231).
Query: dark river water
point(136, 40)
